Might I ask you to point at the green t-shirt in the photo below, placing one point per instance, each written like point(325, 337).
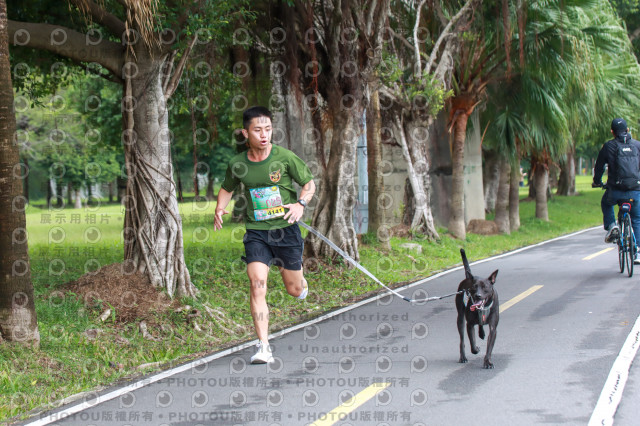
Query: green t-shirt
point(268, 185)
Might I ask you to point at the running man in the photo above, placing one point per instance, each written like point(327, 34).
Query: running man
point(272, 236)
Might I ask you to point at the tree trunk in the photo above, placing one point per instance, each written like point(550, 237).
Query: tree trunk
point(378, 200)
point(122, 188)
point(78, 199)
point(69, 194)
point(111, 192)
point(179, 186)
point(532, 178)
point(418, 142)
point(553, 176)
point(502, 200)
point(210, 195)
point(49, 193)
point(196, 188)
point(409, 202)
point(59, 197)
point(514, 197)
point(333, 216)
point(491, 171)
point(457, 227)
point(541, 172)
point(194, 127)
point(348, 65)
point(89, 192)
point(567, 181)
point(26, 177)
point(473, 189)
point(18, 321)
point(153, 226)
point(414, 152)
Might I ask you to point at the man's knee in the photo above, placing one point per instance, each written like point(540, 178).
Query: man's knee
point(294, 284)
point(258, 287)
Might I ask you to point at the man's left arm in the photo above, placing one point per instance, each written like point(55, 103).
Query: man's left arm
point(296, 210)
point(307, 192)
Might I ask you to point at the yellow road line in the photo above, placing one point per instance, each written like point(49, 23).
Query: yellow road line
point(334, 416)
point(591, 256)
point(519, 297)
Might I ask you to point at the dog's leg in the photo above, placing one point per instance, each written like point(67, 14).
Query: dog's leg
point(481, 331)
point(463, 357)
point(472, 339)
point(490, 342)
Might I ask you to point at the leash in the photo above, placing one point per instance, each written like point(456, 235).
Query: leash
point(366, 272)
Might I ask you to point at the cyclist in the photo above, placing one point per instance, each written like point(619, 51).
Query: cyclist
point(622, 156)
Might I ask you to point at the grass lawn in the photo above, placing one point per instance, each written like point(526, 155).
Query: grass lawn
point(65, 244)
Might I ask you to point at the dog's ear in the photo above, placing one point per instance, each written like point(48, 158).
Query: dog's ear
point(492, 277)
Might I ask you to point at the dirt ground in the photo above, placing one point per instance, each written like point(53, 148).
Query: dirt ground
point(130, 296)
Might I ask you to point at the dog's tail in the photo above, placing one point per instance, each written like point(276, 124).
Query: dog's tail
point(465, 262)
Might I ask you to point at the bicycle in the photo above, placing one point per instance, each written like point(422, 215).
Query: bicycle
point(626, 240)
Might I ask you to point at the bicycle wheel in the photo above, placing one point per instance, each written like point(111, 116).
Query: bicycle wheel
point(628, 244)
point(621, 254)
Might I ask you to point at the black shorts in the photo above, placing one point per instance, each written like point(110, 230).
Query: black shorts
point(281, 247)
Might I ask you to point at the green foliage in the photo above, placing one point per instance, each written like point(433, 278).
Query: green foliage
point(578, 75)
point(389, 69)
point(430, 93)
point(99, 103)
point(424, 93)
point(626, 7)
point(56, 138)
point(629, 11)
point(38, 73)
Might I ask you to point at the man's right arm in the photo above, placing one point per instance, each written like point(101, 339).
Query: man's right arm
point(598, 169)
point(224, 197)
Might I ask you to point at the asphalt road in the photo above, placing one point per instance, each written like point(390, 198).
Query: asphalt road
point(388, 362)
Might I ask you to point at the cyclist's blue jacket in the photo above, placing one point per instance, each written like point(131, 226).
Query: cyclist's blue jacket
point(608, 155)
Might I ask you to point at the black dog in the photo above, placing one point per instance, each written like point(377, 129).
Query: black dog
point(478, 303)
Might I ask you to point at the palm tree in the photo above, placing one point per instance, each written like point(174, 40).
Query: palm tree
point(505, 125)
point(555, 40)
point(600, 81)
point(565, 82)
point(606, 86)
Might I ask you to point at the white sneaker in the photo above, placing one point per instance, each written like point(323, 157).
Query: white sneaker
point(305, 291)
point(263, 354)
point(612, 234)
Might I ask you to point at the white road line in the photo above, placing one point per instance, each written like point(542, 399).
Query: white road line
point(59, 415)
point(614, 386)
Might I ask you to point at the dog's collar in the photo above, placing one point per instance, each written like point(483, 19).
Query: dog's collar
point(483, 313)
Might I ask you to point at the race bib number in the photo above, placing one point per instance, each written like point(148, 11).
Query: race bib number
point(267, 203)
